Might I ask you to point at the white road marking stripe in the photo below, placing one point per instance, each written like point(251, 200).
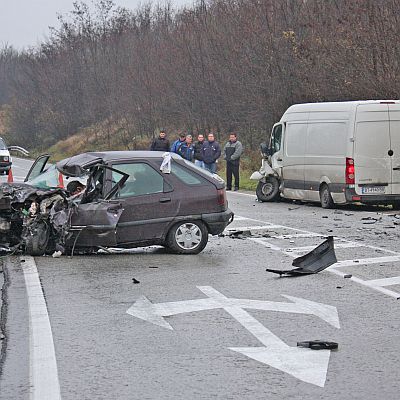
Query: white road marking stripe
point(252, 228)
point(332, 269)
point(366, 261)
point(385, 281)
point(306, 249)
point(43, 366)
point(298, 235)
point(242, 194)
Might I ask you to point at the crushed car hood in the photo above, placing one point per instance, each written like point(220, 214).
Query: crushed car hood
point(79, 165)
point(20, 192)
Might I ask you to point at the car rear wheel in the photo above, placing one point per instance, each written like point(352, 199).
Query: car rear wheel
point(326, 197)
point(37, 240)
point(187, 237)
point(268, 190)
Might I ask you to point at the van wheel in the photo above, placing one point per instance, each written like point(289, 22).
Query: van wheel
point(268, 190)
point(326, 197)
point(187, 237)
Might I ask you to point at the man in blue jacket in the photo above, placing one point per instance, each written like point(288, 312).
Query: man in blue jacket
point(211, 153)
point(185, 149)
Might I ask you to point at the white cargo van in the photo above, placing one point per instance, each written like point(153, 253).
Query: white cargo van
point(334, 153)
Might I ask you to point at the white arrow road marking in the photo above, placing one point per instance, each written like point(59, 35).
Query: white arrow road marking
point(304, 364)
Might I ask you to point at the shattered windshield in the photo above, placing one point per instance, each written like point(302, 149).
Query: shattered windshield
point(50, 179)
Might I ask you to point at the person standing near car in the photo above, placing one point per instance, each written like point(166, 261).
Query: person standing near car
point(233, 149)
point(198, 151)
point(178, 142)
point(161, 143)
point(185, 149)
point(211, 153)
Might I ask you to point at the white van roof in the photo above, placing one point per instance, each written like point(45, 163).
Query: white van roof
point(335, 106)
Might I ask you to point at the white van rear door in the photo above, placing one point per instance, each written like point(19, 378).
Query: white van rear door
point(394, 116)
point(372, 162)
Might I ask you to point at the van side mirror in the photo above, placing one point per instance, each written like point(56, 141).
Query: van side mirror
point(265, 150)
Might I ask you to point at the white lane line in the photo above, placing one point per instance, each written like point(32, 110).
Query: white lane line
point(333, 269)
point(366, 261)
point(306, 249)
point(252, 228)
point(44, 384)
point(242, 194)
point(385, 281)
point(298, 235)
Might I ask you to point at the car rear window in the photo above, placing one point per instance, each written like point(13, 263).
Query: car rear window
point(186, 176)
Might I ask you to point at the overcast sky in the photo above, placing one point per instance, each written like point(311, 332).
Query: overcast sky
point(25, 23)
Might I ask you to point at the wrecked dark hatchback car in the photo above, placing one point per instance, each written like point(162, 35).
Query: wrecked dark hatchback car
point(131, 199)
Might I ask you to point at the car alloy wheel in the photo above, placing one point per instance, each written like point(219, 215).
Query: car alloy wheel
point(189, 237)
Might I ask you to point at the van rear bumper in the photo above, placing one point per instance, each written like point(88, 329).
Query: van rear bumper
point(353, 197)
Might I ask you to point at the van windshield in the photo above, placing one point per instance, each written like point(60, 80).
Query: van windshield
point(2, 145)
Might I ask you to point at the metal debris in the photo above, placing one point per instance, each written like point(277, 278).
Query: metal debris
point(319, 345)
point(313, 262)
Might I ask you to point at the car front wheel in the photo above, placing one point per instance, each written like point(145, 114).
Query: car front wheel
point(187, 237)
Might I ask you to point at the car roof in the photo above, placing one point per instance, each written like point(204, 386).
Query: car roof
point(74, 165)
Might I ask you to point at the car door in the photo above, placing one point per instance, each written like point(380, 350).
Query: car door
point(149, 203)
point(93, 221)
point(37, 167)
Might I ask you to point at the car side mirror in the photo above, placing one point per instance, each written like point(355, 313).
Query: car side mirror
point(265, 150)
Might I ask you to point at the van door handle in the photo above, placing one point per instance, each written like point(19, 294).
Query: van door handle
point(165, 199)
point(279, 159)
point(396, 168)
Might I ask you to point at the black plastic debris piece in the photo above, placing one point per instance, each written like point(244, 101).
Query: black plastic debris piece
point(135, 280)
point(313, 262)
point(239, 234)
point(318, 345)
point(347, 276)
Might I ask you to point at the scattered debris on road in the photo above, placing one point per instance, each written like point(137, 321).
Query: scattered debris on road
point(313, 262)
point(135, 281)
point(318, 345)
point(347, 276)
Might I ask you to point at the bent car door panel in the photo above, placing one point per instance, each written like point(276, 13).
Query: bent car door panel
point(149, 203)
point(94, 224)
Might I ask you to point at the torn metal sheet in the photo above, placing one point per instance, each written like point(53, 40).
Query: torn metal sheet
point(313, 262)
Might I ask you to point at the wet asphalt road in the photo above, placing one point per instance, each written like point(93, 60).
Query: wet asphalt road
point(104, 353)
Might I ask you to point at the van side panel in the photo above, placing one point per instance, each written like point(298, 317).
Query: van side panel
point(394, 127)
point(372, 143)
point(293, 159)
point(325, 157)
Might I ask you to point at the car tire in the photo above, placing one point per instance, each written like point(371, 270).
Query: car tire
point(326, 197)
point(268, 190)
point(36, 243)
point(187, 237)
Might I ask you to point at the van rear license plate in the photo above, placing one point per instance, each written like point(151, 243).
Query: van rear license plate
point(373, 189)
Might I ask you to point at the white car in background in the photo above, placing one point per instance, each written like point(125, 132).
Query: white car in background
point(5, 157)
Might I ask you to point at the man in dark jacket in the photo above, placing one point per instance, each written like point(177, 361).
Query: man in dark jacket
point(161, 143)
point(198, 151)
point(211, 153)
point(232, 152)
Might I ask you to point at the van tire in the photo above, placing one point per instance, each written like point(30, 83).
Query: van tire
point(326, 197)
point(268, 190)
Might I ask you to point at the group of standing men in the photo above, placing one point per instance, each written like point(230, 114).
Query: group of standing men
point(205, 153)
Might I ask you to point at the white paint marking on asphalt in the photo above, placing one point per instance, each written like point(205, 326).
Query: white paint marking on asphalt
point(366, 261)
point(306, 249)
point(304, 364)
point(243, 194)
point(346, 263)
point(43, 366)
point(298, 235)
point(384, 281)
point(252, 228)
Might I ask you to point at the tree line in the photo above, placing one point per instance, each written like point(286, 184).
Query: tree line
point(216, 66)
